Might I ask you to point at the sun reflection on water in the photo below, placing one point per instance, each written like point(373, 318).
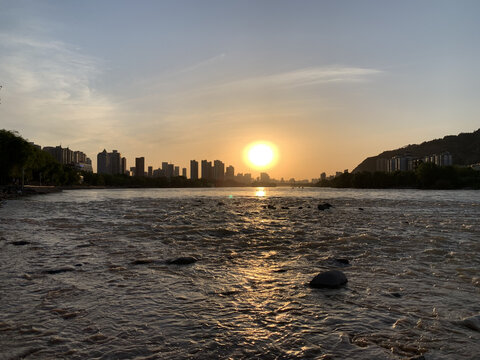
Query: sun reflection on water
point(260, 192)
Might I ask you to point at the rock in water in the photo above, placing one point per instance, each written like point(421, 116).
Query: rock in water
point(472, 322)
point(20, 243)
point(324, 206)
point(332, 279)
point(59, 270)
point(184, 260)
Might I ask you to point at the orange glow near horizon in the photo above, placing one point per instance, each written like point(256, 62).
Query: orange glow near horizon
point(261, 155)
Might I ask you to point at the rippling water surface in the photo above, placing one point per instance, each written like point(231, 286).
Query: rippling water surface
point(84, 274)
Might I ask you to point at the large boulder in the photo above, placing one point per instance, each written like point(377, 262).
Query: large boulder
point(332, 279)
point(472, 322)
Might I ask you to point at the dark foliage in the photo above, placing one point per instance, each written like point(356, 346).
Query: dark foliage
point(17, 155)
point(427, 176)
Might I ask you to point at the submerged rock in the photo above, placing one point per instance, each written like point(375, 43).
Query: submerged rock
point(184, 260)
point(324, 206)
point(59, 270)
point(20, 243)
point(142, 261)
point(472, 322)
point(332, 279)
point(342, 261)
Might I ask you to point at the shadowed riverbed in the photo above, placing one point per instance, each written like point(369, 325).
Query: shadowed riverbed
point(85, 274)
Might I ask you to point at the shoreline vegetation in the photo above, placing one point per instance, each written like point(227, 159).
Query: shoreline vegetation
point(27, 170)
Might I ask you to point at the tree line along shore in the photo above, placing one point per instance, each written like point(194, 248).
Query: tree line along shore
point(25, 168)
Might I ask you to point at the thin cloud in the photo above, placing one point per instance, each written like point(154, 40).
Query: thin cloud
point(309, 76)
point(48, 84)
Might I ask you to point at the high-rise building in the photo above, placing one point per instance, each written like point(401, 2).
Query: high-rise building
point(110, 163)
point(102, 162)
point(193, 169)
point(230, 173)
point(140, 166)
point(176, 170)
point(165, 168)
point(115, 162)
point(124, 166)
point(170, 170)
point(150, 171)
point(184, 172)
point(218, 170)
point(207, 170)
point(264, 177)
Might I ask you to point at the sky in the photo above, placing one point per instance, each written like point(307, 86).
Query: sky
point(328, 82)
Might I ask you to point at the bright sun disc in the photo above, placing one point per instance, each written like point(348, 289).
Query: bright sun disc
point(260, 155)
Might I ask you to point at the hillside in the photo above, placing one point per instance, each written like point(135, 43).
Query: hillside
point(464, 147)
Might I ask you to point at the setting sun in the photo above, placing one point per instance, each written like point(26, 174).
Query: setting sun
point(260, 155)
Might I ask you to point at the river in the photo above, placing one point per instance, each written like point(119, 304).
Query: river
point(85, 274)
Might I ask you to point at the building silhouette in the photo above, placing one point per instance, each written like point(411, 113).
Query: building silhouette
point(230, 173)
point(111, 163)
point(140, 166)
point(193, 169)
point(218, 170)
point(184, 172)
point(207, 170)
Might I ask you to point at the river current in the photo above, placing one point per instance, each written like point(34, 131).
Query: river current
point(84, 274)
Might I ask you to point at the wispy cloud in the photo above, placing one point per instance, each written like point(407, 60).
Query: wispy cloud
point(48, 85)
point(309, 76)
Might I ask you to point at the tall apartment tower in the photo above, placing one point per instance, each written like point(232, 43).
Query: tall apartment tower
point(150, 171)
point(102, 162)
point(170, 170)
point(115, 162)
point(124, 166)
point(177, 170)
point(184, 172)
point(207, 170)
point(193, 170)
point(230, 173)
point(218, 170)
point(140, 166)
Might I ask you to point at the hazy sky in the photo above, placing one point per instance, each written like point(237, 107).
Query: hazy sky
point(329, 82)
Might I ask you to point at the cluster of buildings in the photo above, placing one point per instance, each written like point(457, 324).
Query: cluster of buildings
point(69, 157)
point(410, 163)
point(113, 163)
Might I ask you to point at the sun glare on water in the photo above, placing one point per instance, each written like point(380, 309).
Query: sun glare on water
point(261, 155)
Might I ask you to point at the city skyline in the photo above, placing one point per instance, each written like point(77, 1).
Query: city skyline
point(327, 83)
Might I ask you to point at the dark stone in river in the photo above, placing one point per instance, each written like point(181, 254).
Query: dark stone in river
point(184, 260)
point(20, 243)
point(59, 270)
point(332, 279)
point(342, 261)
point(472, 322)
point(142, 261)
point(324, 206)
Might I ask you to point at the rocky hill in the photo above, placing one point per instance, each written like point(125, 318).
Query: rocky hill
point(464, 147)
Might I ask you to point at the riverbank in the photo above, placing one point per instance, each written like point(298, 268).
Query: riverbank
point(14, 192)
